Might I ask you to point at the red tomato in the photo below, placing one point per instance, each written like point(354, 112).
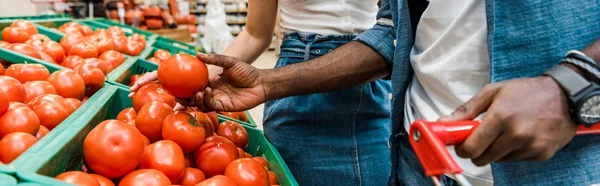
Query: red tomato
point(14, 105)
point(245, 171)
point(20, 119)
point(14, 144)
point(102, 43)
point(214, 155)
point(54, 50)
point(134, 48)
point(262, 161)
point(138, 38)
point(103, 181)
point(273, 178)
point(214, 119)
point(92, 77)
point(113, 58)
point(100, 64)
point(69, 41)
point(217, 181)
point(232, 115)
point(247, 155)
point(71, 24)
point(165, 156)
point(183, 75)
point(154, 60)
point(150, 118)
point(191, 177)
point(162, 55)
point(134, 78)
point(25, 49)
point(151, 92)
point(28, 72)
point(183, 129)
point(242, 115)
point(42, 132)
point(114, 139)
point(189, 161)
point(4, 103)
point(25, 25)
point(15, 35)
point(1, 69)
point(115, 31)
point(120, 44)
point(51, 114)
point(101, 32)
point(78, 178)
point(13, 88)
point(71, 31)
point(67, 83)
point(204, 120)
point(145, 177)
point(46, 57)
point(84, 50)
point(127, 115)
point(4, 44)
point(35, 38)
point(234, 132)
point(241, 152)
point(72, 61)
point(86, 30)
point(75, 103)
point(50, 98)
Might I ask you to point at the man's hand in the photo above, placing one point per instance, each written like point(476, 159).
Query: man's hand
point(526, 119)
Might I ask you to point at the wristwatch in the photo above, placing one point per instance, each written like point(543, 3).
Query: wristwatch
point(584, 96)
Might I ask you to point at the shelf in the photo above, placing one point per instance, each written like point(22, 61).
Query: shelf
point(229, 12)
point(236, 23)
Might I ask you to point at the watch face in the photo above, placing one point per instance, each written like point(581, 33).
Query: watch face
point(589, 112)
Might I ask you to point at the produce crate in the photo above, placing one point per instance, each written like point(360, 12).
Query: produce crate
point(35, 18)
point(7, 180)
point(112, 23)
point(65, 153)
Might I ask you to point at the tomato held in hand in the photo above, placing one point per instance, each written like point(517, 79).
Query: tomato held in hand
point(183, 129)
point(234, 132)
point(13, 89)
point(145, 177)
point(127, 115)
point(273, 178)
point(67, 83)
point(217, 181)
point(113, 149)
point(84, 50)
point(72, 61)
point(25, 25)
point(191, 177)
point(14, 144)
point(214, 155)
point(15, 35)
point(75, 103)
point(262, 161)
point(204, 120)
point(165, 156)
point(42, 132)
point(183, 75)
point(92, 77)
point(51, 114)
point(28, 72)
point(151, 92)
point(150, 118)
point(103, 181)
point(25, 49)
point(78, 178)
point(69, 41)
point(113, 58)
point(162, 55)
point(246, 171)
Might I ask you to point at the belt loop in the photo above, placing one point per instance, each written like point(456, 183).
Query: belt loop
point(307, 51)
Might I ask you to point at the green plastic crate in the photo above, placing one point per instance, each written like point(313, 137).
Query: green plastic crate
point(7, 180)
point(65, 153)
point(112, 23)
point(37, 17)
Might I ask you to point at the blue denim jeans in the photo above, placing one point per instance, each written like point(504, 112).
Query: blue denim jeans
point(333, 138)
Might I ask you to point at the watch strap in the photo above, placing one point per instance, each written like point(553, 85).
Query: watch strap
point(569, 80)
point(592, 69)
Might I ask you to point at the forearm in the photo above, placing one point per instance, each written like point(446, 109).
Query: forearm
point(350, 65)
point(247, 47)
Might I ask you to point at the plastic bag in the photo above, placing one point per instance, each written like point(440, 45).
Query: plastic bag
point(217, 35)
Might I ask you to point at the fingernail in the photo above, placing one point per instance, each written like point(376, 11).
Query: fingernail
point(202, 54)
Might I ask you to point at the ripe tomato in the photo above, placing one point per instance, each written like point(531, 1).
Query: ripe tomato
point(72, 61)
point(120, 44)
point(245, 171)
point(78, 178)
point(51, 114)
point(86, 30)
point(84, 50)
point(214, 155)
point(217, 180)
point(69, 41)
point(42, 132)
point(273, 178)
point(183, 129)
point(38, 39)
point(204, 120)
point(214, 119)
point(92, 77)
point(103, 181)
point(113, 58)
point(4, 102)
point(71, 31)
point(232, 115)
point(183, 75)
point(189, 160)
point(145, 177)
point(50, 98)
point(247, 155)
point(101, 32)
point(75, 103)
point(114, 139)
point(13, 88)
point(24, 49)
point(241, 152)
point(242, 115)
point(262, 161)
point(138, 38)
point(14, 144)
point(67, 83)
point(4, 44)
point(234, 132)
point(127, 115)
point(25, 25)
point(28, 72)
point(150, 118)
point(15, 35)
point(54, 50)
point(151, 92)
point(162, 55)
point(14, 105)
point(115, 31)
point(46, 57)
point(165, 156)
point(191, 177)
point(100, 64)
point(154, 60)
point(103, 43)
point(134, 78)
point(134, 48)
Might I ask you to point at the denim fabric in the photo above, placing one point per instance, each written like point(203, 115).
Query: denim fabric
point(332, 138)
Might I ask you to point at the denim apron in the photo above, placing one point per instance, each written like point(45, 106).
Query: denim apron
point(333, 138)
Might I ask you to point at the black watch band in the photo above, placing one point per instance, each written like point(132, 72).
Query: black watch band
point(584, 63)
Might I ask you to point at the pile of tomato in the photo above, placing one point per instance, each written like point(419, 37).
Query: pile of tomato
point(159, 56)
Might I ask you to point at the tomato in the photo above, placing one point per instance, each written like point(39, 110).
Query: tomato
point(15, 35)
point(150, 118)
point(214, 155)
point(72, 61)
point(75, 103)
point(51, 114)
point(214, 119)
point(103, 181)
point(234, 132)
point(241, 152)
point(54, 50)
point(189, 160)
point(112, 149)
point(46, 57)
point(71, 31)
point(113, 58)
point(67, 83)
point(42, 132)
point(71, 27)
point(183, 129)
point(84, 50)
point(115, 31)
point(78, 178)
point(138, 38)
point(217, 181)
point(127, 115)
point(191, 177)
point(262, 161)
point(13, 88)
point(25, 25)
point(165, 156)
point(204, 120)
point(69, 41)
point(183, 75)
point(151, 92)
point(154, 60)
point(14, 144)
point(4, 44)
point(25, 49)
point(272, 178)
point(14, 105)
point(41, 38)
point(134, 48)
point(28, 72)
point(242, 115)
point(247, 155)
point(162, 55)
point(1, 69)
point(232, 115)
point(120, 44)
point(4, 103)
point(102, 43)
point(134, 78)
point(50, 98)
point(245, 171)
point(92, 77)
point(145, 177)
point(98, 63)
point(86, 30)
point(101, 32)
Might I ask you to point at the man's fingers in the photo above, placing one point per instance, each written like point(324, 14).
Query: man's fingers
point(475, 106)
point(217, 60)
point(502, 146)
point(481, 138)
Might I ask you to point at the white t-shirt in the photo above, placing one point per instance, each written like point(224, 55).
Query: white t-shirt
point(326, 17)
point(451, 64)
